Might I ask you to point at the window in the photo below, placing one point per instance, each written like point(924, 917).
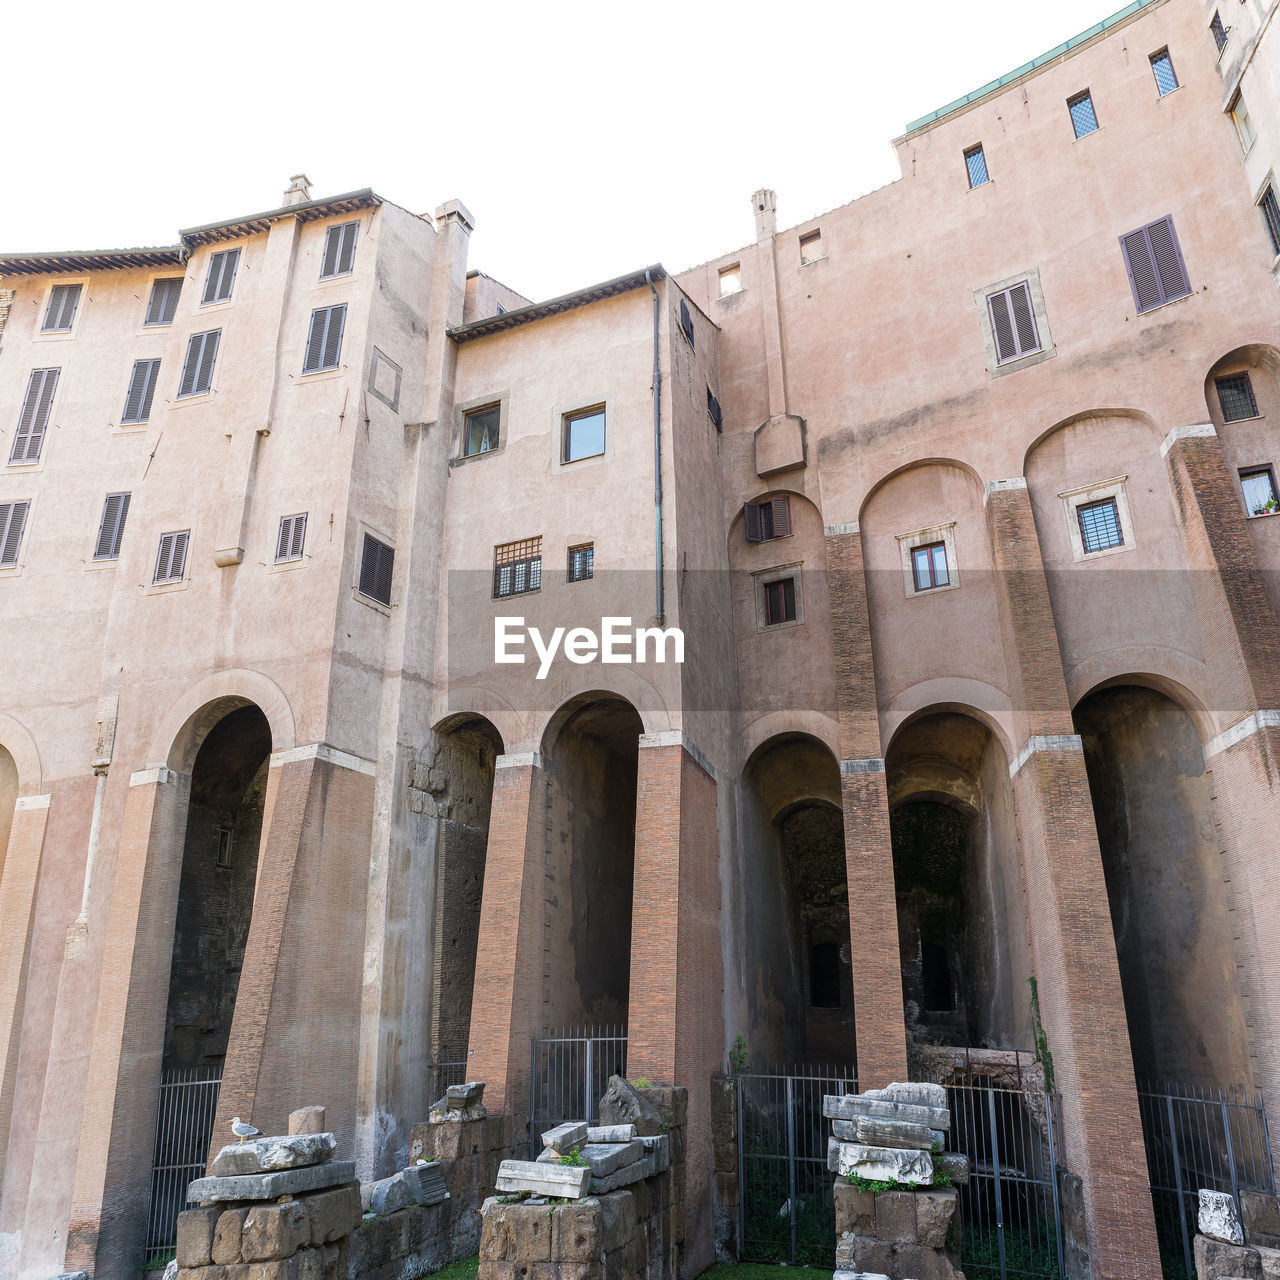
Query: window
point(1099, 526)
point(197, 372)
point(384, 379)
point(1240, 118)
point(1271, 216)
point(1013, 322)
point(171, 557)
point(324, 342)
point(142, 389)
point(824, 975)
point(517, 568)
point(224, 847)
point(61, 311)
point(34, 418)
point(1235, 395)
point(339, 250)
point(1162, 69)
point(111, 527)
point(293, 532)
point(811, 248)
point(377, 560)
point(730, 279)
point(713, 410)
point(13, 518)
point(583, 434)
point(582, 562)
point(222, 275)
point(1084, 120)
point(480, 430)
point(929, 566)
point(686, 322)
point(976, 162)
point(779, 601)
point(1219, 32)
point(767, 520)
point(1259, 485)
point(163, 305)
point(1157, 273)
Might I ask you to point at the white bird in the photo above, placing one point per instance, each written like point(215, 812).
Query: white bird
point(243, 1131)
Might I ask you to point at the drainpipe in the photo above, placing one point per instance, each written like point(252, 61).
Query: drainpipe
point(657, 448)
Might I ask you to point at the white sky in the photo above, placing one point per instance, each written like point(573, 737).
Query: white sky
point(587, 139)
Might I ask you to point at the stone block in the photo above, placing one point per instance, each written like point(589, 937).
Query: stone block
point(544, 1179)
point(779, 445)
point(623, 1104)
point(884, 1133)
point(226, 1236)
point(851, 1106)
point(896, 1216)
point(274, 1231)
point(924, 1264)
point(332, 1215)
point(460, 1097)
point(195, 1237)
point(266, 1155)
point(658, 1150)
point(1217, 1260)
point(606, 1158)
point(610, 1133)
point(858, 1275)
point(865, 1253)
point(564, 1137)
point(271, 1186)
point(1270, 1259)
point(955, 1166)
point(276, 1269)
point(1261, 1214)
point(935, 1212)
point(306, 1120)
point(1219, 1217)
point(914, 1094)
point(388, 1195)
point(623, 1177)
point(855, 1210)
point(425, 1183)
point(233, 1271)
point(617, 1219)
point(879, 1164)
point(584, 1270)
point(577, 1233)
point(641, 1197)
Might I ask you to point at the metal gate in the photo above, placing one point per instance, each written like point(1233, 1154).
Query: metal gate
point(571, 1070)
point(786, 1210)
point(1199, 1136)
point(184, 1128)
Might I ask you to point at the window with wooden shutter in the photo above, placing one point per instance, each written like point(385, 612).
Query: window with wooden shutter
point(324, 343)
point(1084, 120)
point(1235, 395)
point(222, 276)
point(517, 567)
point(769, 519)
point(339, 250)
point(33, 421)
point(163, 305)
point(1157, 273)
point(13, 519)
point(197, 371)
point(142, 389)
point(171, 556)
point(376, 563)
point(111, 527)
point(1270, 208)
point(976, 163)
point(713, 410)
point(686, 321)
point(1162, 69)
point(292, 535)
point(60, 314)
point(1013, 322)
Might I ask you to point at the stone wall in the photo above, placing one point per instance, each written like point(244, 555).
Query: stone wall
point(469, 1152)
point(726, 1193)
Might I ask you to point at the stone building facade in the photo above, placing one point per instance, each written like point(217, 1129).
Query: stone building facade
point(963, 505)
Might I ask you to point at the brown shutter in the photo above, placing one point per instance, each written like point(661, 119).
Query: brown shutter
point(782, 516)
point(1002, 326)
point(1024, 321)
point(754, 522)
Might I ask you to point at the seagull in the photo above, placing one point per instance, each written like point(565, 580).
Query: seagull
point(243, 1131)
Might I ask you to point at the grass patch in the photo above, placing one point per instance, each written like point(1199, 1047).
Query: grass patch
point(760, 1271)
point(465, 1269)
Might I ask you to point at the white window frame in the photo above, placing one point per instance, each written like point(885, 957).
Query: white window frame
point(908, 542)
point(730, 274)
point(229, 300)
point(995, 368)
point(1098, 492)
point(761, 578)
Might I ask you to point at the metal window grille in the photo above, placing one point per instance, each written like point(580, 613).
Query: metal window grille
point(13, 519)
point(1219, 32)
point(324, 342)
point(929, 566)
point(1271, 216)
point(571, 1070)
point(1259, 488)
point(377, 562)
point(1099, 525)
point(115, 511)
point(61, 312)
point(779, 601)
point(976, 162)
point(1083, 117)
point(811, 248)
point(480, 430)
point(222, 276)
point(163, 305)
point(442, 1073)
point(517, 568)
point(581, 562)
point(339, 250)
point(1162, 69)
point(1235, 395)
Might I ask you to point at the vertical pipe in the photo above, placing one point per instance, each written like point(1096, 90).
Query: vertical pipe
point(657, 451)
point(100, 790)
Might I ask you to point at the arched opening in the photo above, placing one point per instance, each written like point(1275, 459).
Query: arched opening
point(961, 916)
point(8, 799)
point(796, 969)
point(590, 760)
point(1153, 805)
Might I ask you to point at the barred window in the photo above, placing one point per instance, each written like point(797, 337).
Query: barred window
point(1084, 120)
point(1219, 32)
point(1162, 69)
point(811, 248)
point(517, 568)
point(581, 562)
point(976, 162)
point(1271, 216)
point(1099, 525)
point(1235, 395)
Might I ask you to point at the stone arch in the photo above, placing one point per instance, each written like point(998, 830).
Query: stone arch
point(1176, 690)
point(19, 743)
point(917, 464)
point(814, 724)
point(1085, 415)
point(988, 705)
point(183, 728)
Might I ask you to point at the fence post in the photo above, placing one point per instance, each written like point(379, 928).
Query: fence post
point(590, 1080)
point(995, 1169)
point(1053, 1179)
point(742, 1181)
point(1231, 1157)
point(1177, 1182)
point(791, 1162)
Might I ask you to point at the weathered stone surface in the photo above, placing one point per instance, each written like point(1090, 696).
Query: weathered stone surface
point(955, 1166)
point(566, 1136)
point(546, 1179)
point(577, 1233)
point(170, 1272)
point(1270, 1259)
point(306, 1120)
point(914, 1094)
point(333, 1214)
point(1261, 1214)
point(879, 1164)
point(265, 1155)
point(195, 1237)
point(623, 1177)
point(606, 1158)
point(884, 1133)
point(1217, 1260)
point(935, 1212)
point(851, 1106)
point(855, 1210)
point(226, 1236)
point(896, 1216)
point(859, 1275)
point(658, 1149)
point(622, 1104)
point(271, 1186)
point(274, 1231)
point(618, 1218)
point(462, 1096)
point(515, 1232)
point(425, 1183)
point(388, 1195)
point(612, 1133)
point(1219, 1217)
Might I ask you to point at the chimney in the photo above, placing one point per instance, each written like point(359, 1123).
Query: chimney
point(299, 191)
point(765, 205)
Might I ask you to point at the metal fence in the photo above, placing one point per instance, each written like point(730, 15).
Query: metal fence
point(184, 1127)
point(1199, 1136)
point(440, 1075)
point(571, 1070)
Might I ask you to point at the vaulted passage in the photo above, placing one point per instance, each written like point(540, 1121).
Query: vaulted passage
point(1152, 802)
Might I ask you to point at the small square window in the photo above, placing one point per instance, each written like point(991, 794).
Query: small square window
point(1259, 486)
point(1270, 208)
point(767, 520)
point(377, 563)
point(163, 305)
point(779, 601)
point(1084, 119)
point(291, 537)
point(929, 566)
point(517, 568)
point(730, 279)
point(1162, 69)
point(1235, 395)
point(581, 562)
point(1219, 32)
point(171, 557)
point(1099, 525)
point(480, 430)
point(222, 276)
point(582, 434)
point(60, 314)
point(976, 162)
point(811, 249)
point(1242, 121)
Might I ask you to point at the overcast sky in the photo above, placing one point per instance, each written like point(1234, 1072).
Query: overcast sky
point(587, 139)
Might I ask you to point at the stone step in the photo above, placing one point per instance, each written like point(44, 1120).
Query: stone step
point(271, 1186)
point(567, 1181)
point(880, 1164)
point(853, 1106)
point(566, 1136)
point(885, 1133)
point(267, 1155)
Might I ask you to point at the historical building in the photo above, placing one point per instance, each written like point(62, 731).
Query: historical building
point(961, 496)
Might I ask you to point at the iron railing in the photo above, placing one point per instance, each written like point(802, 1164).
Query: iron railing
point(1199, 1136)
point(440, 1075)
point(571, 1070)
point(184, 1128)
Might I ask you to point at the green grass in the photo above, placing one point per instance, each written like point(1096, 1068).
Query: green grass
point(463, 1270)
point(760, 1271)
